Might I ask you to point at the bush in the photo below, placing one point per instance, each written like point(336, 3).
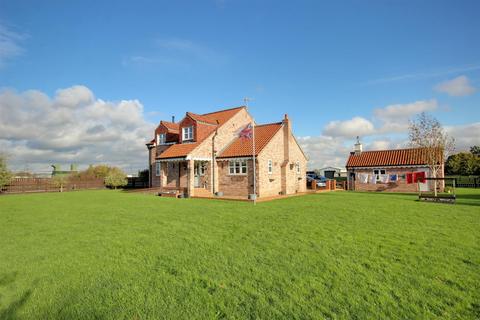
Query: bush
point(60, 181)
point(5, 175)
point(116, 178)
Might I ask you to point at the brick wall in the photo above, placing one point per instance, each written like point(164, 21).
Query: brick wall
point(399, 186)
point(235, 185)
point(271, 184)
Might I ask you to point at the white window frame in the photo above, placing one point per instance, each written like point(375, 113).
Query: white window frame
point(237, 167)
point(297, 166)
point(158, 168)
point(187, 133)
point(161, 138)
point(270, 166)
point(378, 172)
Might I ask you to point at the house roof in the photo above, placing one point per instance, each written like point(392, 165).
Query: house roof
point(242, 147)
point(171, 126)
point(178, 150)
point(183, 149)
point(398, 157)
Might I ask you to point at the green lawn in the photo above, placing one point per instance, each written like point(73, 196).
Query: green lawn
point(116, 255)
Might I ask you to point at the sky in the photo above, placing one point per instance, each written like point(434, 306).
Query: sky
point(86, 82)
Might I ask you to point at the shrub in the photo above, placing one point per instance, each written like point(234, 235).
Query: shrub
point(116, 178)
point(60, 181)
point(5, 175)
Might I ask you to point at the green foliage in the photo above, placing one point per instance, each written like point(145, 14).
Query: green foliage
point(60, 181)
point(143, 174)
point(338, 255)
point(463, 163)
point(115, 178)
point(5, 175)
point(475, 150)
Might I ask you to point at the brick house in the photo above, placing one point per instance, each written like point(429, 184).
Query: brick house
point(203, 155)
point(399, 170)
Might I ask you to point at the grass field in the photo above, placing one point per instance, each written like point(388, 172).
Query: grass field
point(115, 255)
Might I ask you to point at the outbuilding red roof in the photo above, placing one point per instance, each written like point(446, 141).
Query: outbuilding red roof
point(397, 157)
point(242, 147)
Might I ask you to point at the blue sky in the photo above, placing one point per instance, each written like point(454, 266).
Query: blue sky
point(322, 63)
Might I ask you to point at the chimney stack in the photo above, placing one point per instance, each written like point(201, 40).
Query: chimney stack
point(173, 119)
point(287, 128)
point(358, 146)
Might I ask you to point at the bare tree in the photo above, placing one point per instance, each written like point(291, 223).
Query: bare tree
point(427, 132)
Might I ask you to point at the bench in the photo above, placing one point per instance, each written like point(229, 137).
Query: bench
point(170, 192)
point(442, 198)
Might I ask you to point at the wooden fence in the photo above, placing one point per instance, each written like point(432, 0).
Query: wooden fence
point(24, 185)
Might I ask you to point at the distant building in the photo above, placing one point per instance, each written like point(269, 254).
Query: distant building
point(333, 172)
point(57, 170)
point(398, 170)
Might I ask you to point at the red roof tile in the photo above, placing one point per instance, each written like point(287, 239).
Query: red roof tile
point(171, 126)
point(221, 116)
point(398, 157)
point(242, 147)
point(178, 150)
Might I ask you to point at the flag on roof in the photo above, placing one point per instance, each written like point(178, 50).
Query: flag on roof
point(247, 132)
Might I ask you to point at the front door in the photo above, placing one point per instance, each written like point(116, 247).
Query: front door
point(196, 180)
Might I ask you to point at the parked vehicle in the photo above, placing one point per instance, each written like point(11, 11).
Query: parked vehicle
point(320, 182)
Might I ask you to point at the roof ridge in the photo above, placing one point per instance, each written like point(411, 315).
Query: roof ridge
point(206, 114)
point(268, 124)
point(401, 149)
point(164, 121)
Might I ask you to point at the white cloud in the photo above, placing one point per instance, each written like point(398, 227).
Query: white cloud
point(356, 126)
point(465, 136)
point(460, 86)
point(324, 151)
point(395, 117)
point(73, 97)
point(9, 44)
point(72, 127)
point(425, 74)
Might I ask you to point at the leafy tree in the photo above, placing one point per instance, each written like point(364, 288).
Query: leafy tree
point(475, 150)
point(5, 175)
point(427, 132)
point(60, 181)
point(116, 178)
point(463, 164)
point(143, 175)
point(101, 171)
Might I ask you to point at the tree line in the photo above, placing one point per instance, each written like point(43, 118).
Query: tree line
point(464, 163)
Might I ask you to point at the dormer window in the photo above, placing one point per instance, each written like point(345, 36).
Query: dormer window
point(161, 138)
point(187, 133)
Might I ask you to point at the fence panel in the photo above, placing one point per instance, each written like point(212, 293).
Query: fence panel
point(26, 185)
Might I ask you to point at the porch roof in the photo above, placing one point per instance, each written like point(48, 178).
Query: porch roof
point(178, 150)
